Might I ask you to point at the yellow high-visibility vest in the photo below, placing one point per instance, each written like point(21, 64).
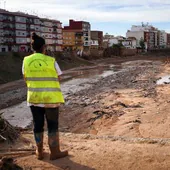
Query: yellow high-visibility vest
point(42, 80)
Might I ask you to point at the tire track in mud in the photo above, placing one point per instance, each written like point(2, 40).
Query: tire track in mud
point(161, 141)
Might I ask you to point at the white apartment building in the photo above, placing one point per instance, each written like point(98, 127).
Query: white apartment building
point(137, 34)
point(162, 39)
point(86, 34)
point(146, 32)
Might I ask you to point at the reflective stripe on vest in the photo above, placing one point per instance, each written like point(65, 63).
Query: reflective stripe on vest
point(41, 79)
point(44, 89)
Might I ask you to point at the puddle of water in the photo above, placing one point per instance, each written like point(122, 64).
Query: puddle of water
point(107, 73)
point(18, 115)
point(164, 80)
point(84, 79)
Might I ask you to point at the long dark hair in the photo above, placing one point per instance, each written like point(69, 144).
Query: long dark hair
point(37, 43)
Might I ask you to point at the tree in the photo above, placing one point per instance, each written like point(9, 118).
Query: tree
point(119, 45)
point(142, 43)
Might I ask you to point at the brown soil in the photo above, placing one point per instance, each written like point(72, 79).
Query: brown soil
point(120, 123)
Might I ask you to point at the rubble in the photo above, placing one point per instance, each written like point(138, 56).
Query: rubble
point(7, 132)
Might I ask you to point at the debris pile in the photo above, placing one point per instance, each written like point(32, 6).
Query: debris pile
point(9, 163)
point(7, 132)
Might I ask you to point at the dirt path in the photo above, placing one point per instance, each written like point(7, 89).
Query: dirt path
point(121, 122)
point(88, 152)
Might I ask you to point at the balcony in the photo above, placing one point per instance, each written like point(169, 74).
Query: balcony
point(79, 34)
point(55, 26)
point(78, 39)
point(29, 21)
point(9, 35)
point(7, 42)
point(8, 27)
point(86, 35)
point(79, 43)
point(7, 19)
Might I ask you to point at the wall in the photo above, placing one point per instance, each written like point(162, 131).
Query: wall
point(157, 51)
point(137, 34)
point(128, 52)
point(110, 52)
point(3, 48)
point(94, 35)
point(95, 53)
point(113, 41)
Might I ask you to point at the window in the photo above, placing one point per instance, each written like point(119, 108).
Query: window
point(18, 19)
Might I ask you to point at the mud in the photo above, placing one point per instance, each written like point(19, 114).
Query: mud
point(117, 121)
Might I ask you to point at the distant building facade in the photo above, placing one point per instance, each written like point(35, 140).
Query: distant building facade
point(162, 39)
point(16, 29)
point(96, 39)
point(129, 43)
point(81, 31)
point(152, 37)
point(73, 39)
point(168, 40)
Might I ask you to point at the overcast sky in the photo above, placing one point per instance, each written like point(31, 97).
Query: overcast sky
point(112, 16)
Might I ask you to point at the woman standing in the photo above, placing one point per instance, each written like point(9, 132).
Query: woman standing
point(44, 96)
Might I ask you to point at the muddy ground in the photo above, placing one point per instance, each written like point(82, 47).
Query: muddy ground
point(119, 122)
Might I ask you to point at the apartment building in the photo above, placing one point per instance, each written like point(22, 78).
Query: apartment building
point(150, 39)
point(81, 31)
point(146, 32)
point(96, 39)
point(168, 40)
point(162, 39)
point(16, 29)
point(73, 39)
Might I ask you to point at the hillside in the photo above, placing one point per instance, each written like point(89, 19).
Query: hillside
point(11, 64)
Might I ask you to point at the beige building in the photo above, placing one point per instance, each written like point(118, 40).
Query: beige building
point(82, 33)
point(73, 39)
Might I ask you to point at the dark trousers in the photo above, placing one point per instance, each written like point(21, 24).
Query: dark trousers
point(51, 115)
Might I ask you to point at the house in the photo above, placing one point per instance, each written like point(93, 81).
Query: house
point(96, 39)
